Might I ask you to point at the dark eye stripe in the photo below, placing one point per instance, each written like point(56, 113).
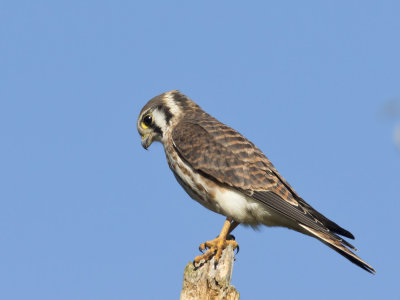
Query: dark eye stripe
point(158, 130)
point(167, 113)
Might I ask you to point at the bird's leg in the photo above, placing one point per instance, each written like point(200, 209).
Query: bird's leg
point(234, 224)
point(217, 245)
point(230, 236)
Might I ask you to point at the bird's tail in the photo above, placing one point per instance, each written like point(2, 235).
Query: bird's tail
point(340, 246)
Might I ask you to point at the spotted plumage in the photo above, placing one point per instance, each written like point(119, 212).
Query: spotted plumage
point(229, 175)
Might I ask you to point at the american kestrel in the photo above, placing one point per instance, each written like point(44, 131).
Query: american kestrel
point(229, 175)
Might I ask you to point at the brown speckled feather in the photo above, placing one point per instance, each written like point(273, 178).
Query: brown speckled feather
point(220, 152)
point(223, 155)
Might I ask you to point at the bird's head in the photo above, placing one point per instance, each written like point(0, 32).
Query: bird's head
point(161, 114)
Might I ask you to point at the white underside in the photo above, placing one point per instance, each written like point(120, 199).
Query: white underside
point(243, 209)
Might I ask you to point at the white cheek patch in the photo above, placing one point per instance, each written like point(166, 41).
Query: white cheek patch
point(159, 120)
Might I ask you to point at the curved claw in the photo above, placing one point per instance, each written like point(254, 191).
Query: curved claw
point(202, 247)
point(199, 265)
point(230, 237)
point(237, 249)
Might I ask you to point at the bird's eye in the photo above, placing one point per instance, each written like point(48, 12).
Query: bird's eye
point(147, 121)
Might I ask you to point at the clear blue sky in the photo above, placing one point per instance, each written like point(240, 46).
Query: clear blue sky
point(86, 213)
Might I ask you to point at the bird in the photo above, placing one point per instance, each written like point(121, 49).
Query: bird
point(229, 175)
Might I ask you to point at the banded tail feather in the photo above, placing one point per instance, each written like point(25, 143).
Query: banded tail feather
point(339, 245)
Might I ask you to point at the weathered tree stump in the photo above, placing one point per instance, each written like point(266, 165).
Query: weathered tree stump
point(207, 282)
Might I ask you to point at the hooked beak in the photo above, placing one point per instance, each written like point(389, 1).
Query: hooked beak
point(146, 141)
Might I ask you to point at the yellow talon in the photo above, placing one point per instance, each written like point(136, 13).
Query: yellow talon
point(216, 246)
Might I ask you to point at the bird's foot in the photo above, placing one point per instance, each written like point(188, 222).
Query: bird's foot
point(215, 248)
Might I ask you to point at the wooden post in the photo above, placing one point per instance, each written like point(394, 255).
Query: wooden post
point(209, 283)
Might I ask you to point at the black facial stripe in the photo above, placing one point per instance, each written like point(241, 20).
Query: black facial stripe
point(167, 113)
point(157, 130)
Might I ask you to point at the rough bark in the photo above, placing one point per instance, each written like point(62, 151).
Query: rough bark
point(207, 282)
